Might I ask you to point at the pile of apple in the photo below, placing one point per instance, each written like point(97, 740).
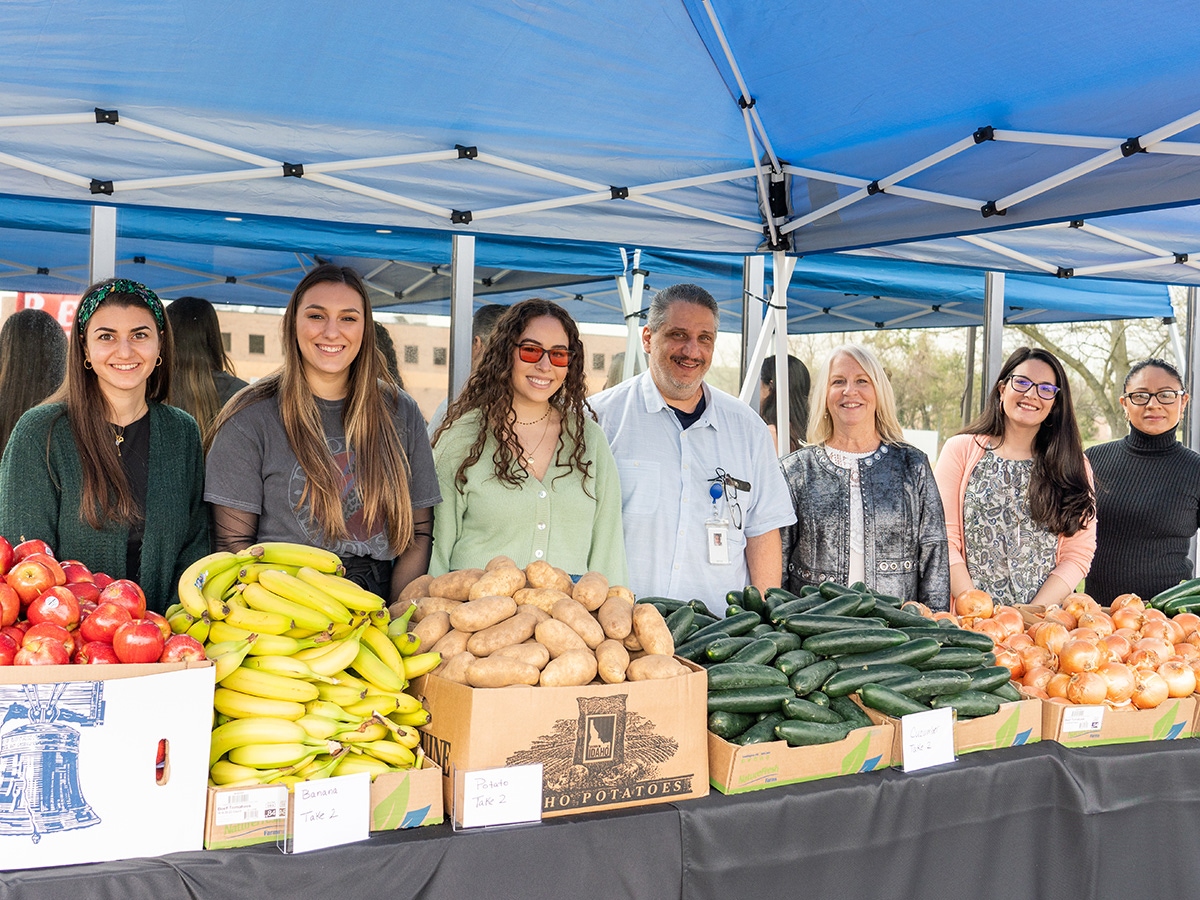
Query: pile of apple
point(55, 613)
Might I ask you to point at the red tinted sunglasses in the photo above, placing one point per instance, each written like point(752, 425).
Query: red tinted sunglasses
point(532, 353)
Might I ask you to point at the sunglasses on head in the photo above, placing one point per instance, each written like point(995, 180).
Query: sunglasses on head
point(533, 353)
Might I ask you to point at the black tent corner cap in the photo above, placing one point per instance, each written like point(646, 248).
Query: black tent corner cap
point(465, 152)
point(1131, 146)
point(1181, 258)
point(880, 324)
point(937, 307)
point(293, 170)
point(231, 279)
point(460, 216)
point(826, 309)
point(986, 133)
point(43, 270)
point(578, 298)
point(100, 187)
point(989, 209)
point(1064, 272)
point(1168, 320)
point(107, 116)
point(873, 188)
point(1077, 223)
point(618, 193)
point(744, 103)
point(487, 282)
point(399, 295)
point(645, 273)
point(139, 260)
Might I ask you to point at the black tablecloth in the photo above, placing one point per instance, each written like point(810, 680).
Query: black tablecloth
point(1116, 822)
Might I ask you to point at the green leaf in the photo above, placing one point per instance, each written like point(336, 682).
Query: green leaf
point(1007, 732)
point(389, 812)
point(853, 760)
point(1163, 725)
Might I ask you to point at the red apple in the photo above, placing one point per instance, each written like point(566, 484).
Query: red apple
point(95, 653)
point(16, 631)
point(25, 548)
point(102, 580)
point(8, 650)
point(161, 621)
point(84, 591)
point(180, 647)
point(102, 624)
point(6, 555)
point(29, 579)
point(57, 605)
point(77, 572)
point(126, 593)
point(138, 641)
point(10, 603)
point(41, 650)
point(49, 629)
point(55, 567)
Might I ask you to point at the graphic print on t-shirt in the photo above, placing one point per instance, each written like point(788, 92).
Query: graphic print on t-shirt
point(358, 542)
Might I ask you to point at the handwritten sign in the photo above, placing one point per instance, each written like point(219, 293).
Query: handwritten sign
point(502, 796)
point(928, 738)
point(331, 811)
point(1082, 718)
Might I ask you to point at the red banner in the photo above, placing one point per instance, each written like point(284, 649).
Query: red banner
point(61, 306)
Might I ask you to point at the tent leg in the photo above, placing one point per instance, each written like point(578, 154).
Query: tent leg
point(753, 286)
point(102, 255)
point(993, 332)
point(631, 304)
point(1191, 377)
point(969, 389)
point(462, 304)
point(782, 267)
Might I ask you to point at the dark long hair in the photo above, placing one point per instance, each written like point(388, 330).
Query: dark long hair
point(380, 467)
point(33, 361)
point(1060, 498)
point(199, 353)
point(490, 390)
point(799, 383)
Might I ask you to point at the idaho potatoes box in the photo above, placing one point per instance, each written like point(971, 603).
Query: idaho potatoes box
point(1076, 726)
point(1016, 723)
point(734, 769)
point(601, 746)
point(258, 814)
point(79, 774)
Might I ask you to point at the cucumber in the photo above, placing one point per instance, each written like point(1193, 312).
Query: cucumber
point(899, 618)
point(700, 609)
point(729, 725)
point(752, 600)
point(734, 610)
point(850, 712)
point(779, 595)
point(720, 650)
point(785, 641)
point(956, 658)
point(750, 700)
point(807, 711)
point(761, 732)
point(968, 704)
point(733, 598)
point(844, 605)
point(910, 653)
point(664, 601)
point(1188, 586)
point(888, 600)
point(953, 637)
point(739, 623)
point(794, 660)
point(831, 589)
point(931, 683)
point(793, 607)
point(818, 697)
point(807, 624)
point(680, 622)
point(990, 678)
point(847, 681)
point(762, 629)
point(729, 676)
point(854, 640)
point(811, 678)
point(1006, 693)
point(805, 734)
point(1188, 603)
point(761, 651)
point(693, 650)
point(890, 703)
point(701, 620)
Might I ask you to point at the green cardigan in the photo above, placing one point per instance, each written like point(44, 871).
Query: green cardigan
point(41, 484)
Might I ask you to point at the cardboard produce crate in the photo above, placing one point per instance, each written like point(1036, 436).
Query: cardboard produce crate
point(240, 816)
point(1016, 723)
point(734, 769)
point(78, 751)
point(1168, 721)
point(602, 746)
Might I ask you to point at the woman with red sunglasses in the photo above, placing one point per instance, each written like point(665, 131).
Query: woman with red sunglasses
point(525, 471)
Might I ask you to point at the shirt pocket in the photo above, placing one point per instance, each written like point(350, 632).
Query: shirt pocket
point(640, 487)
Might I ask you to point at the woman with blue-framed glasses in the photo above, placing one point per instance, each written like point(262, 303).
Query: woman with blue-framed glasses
point(1016, 487)
point(1147, 490)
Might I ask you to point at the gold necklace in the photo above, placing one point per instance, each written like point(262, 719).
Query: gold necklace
point(535, 421)
point(119, 430)
point(530, 455)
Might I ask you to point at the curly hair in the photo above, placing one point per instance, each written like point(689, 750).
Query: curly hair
point(490, 390)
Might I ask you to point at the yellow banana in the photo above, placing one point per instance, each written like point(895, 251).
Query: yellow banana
point(340, 656)
point(249, 573)
point(344, 677)
point(265, 645)
point(415, 719)
point(227, 656)
point(239, 705)
point(376, 671)
point(254, 731)
point(224, 772)
point(380, 617)
point(342, 695)
point(200, 629)
point(194, 577)
point(383, 704)
point(389, 752)
point(353, 763)
point(273, 756)
point(408, 644)
point(273, 687)
point(292, 588)
point(257, 621)
point(330, 711)
point(342, 590)
point(399, 625)
point(404, 735)
point(368, 731)
point(339, 632)
point(215, 587)
point(320, 727)
point(181, 620)
point(303, 617)
point(172, 610)
point(296, 555)
point(420, 664)
point(321, 766)
point(286, 666)
point(381, 645)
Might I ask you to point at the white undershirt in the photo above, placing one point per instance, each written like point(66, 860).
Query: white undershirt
point(846, 460)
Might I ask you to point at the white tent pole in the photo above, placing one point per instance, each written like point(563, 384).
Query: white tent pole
point(462, 304)
point(102, 254)
point(753, 287)
point(772, 324)
point(1192, 378)
point(750, 382)
point(631, 303)
point(782, 267)
point(993, 331)
point(1177, 347)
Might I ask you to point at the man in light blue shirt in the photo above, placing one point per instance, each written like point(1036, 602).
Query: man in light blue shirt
point(679, 443)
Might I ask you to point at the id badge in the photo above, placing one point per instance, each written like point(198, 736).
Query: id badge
point(717, 534)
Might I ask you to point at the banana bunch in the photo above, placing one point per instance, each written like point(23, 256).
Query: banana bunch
point(311, 671)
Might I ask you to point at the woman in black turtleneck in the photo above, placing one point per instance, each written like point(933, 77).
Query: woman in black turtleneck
point(1147, 491)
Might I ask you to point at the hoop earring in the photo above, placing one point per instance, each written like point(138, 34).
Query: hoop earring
point(87, 364)
point(158, 362)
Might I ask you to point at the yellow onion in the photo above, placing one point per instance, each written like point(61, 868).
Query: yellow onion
point(1130, 600)
point(1119, 680)
point(1180, 679)
point(1149, 689)
point(1086, 688)
point(975, 604)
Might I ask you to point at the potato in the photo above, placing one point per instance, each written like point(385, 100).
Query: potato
point(476, 615)
point(432, 628)
point(558, 638)
point(455, 585)
point(500, 671)
point(651, 630)
point(450, 643)
point(529, 652)
point(653, 666)
point(418, 587)
point(540, 574)
point(543, 598)
point(513, 630)
point(615, 616)
point(539, 614)
point(497, 562)
point(591, 590)
point(454, 668)
point(571, 612)
point(631, 642)
point(503, 582)
point(427, 605)
point(573, 668)
point(619, 590)
point(612, 659)
point(400, 607)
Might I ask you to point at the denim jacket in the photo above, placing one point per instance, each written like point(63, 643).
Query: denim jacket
point(904, 539)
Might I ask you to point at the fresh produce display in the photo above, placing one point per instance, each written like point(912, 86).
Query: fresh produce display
point(1133, 655)
point(784, 667)
point(311, 670)
point(502, 625)
point(56, 613)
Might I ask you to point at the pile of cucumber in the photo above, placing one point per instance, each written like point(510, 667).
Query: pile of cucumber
point(783, 666)
point(1182, 598)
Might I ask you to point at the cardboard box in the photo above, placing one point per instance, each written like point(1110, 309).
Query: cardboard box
point(1016, 723)
point(734, 769)
point(1169, 721)
point(240, 816)
point(602, 746)
point(78, 752)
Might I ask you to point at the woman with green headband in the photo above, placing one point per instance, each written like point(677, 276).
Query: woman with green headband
point(105, 472)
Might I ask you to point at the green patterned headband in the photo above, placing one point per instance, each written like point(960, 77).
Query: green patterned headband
point(92, 299)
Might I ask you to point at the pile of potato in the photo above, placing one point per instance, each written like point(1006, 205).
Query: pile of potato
point(502, 625)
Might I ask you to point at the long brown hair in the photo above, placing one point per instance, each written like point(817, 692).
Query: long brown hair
point(198, 354)
point(33, 361)
point(380, 466)
point(1060, 498)
point(107, 496)
point(490, 390)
